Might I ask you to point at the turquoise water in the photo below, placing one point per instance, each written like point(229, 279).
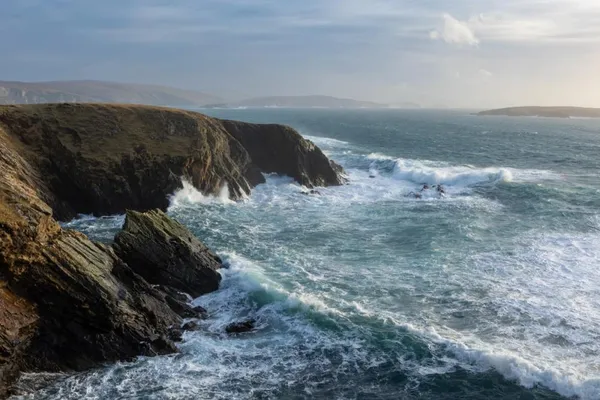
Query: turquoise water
point(364, 292)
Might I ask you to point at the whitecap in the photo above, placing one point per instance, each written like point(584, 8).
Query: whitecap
point(188, 195)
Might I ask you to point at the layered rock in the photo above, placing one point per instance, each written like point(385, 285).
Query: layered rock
point(67, 303)
point(104, 159)
point(280, 149)
point(165, 252)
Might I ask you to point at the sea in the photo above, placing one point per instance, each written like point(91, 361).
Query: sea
point(381, 289)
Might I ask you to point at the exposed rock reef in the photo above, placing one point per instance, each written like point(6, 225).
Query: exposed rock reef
point(67, 303)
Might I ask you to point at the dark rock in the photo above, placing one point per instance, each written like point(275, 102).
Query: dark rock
point(182, 309)
point(191, 326)
point(280, 149)
point(165, 252)
point(163, 345)
point(240, 327)
point(175, 334)
point(199, 310)
point(105, 158)
point(69, 304)
point(178, 301)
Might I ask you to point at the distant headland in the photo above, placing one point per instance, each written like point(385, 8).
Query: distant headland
point(128, 93)
point(548, 112)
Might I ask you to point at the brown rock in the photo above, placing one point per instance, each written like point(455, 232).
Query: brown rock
point(165, 252)
point(103, 159)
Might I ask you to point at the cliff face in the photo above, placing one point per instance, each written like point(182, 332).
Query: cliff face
point(67, 303)
point(280, 149)
point(104, 159)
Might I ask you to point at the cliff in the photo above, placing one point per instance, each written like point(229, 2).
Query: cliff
point(549, 112)
point(67, 303)
point(104, 159)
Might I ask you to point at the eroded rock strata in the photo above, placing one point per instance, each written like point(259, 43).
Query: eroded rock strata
point(68, 303)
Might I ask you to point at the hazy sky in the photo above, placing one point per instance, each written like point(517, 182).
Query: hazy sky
point(464, 53)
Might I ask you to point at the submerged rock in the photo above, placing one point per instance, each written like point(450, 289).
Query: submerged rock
point(190, 326)
point(165, 252)
point(311, 192)
point(241, 327)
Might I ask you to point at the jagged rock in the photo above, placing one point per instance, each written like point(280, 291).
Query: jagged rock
point(240, 327)
point(165, 252)
point(103, 159)
point(201, 311)
point(175, 334)
point(311, 192)
point(280, 149)
point(66, 303)
point(190, 326)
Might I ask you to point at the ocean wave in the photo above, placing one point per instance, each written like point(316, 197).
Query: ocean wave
point(478, 357)
point(440, 172)
point(188, 195)
point(417, 172)
point(326, 142)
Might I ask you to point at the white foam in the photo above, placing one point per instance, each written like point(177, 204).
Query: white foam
point(326, 142)
point(188, 195)
point(417, 172)
point(379, 156)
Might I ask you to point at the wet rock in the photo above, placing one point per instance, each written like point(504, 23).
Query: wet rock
point(175, 334)
point(190, 326)
point(200, 312)
point(104, 158)
point(311, 192)
point(240, 327)
point(69, 304)
point(165, 252)
point(281, 149)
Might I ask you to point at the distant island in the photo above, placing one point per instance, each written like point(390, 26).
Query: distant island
point(549, 112)
point(101, 92)
point(301, 102)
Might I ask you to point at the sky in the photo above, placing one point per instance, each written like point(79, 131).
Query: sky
point(455, 53)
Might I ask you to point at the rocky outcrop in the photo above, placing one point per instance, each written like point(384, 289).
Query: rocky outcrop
point(165, 252)
point(240, 327)
point(280, 149)
point(67, 303)
point(104, 159)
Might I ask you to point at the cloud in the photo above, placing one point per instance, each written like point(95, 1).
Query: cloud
point(485, 73)
point(455, 32)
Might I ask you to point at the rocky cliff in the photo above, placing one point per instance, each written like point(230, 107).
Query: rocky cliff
point(67, 303)
point(104, 159)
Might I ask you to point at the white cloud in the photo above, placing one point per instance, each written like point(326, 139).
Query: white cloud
point(455, 32)
point(485, 73)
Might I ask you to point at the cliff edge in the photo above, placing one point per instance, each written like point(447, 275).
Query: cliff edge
point(68, 303)
point(104, 159)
